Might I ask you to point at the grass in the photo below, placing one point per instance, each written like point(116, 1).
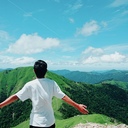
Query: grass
point(24, 124)
point(71, 122)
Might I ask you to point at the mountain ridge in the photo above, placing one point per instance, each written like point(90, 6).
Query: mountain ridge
point(94, 77)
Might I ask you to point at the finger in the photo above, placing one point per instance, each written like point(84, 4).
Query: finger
point(84, 106)
point(86, 111)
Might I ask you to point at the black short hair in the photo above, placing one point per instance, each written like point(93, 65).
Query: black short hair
point(40, 68)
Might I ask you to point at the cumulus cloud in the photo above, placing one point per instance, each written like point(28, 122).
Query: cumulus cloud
point(93, 51)
point(118, 3)
point(89, 28)
point(114, 58)
point(90, 60)
point(97, 55)
point(12, 61)
point(23, 61)
point(30, 44)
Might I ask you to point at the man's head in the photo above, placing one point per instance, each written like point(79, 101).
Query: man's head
point(40, 68)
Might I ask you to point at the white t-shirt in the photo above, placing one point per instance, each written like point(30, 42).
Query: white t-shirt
point(41, 91)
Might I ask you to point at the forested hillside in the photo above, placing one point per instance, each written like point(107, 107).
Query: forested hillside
point(102, 98)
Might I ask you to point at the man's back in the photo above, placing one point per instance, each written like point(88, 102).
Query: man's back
point(41, 92)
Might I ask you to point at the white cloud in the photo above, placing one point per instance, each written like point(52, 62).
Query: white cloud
point(23, 61)
point(93, 51)
point(8, 61)
point(118, 3)
point(89, 28)
point(97, 55)
point(30, 44)
point(90, 60)
point(113, 58)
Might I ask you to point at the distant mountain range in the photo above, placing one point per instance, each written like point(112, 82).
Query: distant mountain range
point(94, 77)
point(1, 69)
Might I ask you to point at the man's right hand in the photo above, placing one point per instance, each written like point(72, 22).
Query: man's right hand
point(82, 108)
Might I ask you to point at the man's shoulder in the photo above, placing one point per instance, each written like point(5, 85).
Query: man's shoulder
point(44, 80)
point(37, 80)
point(31, 82)
point(48, 79)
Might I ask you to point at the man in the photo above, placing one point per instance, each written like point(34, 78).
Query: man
point(40, 91)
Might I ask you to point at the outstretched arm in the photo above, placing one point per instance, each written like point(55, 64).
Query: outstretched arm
point(8, 101)
point(80, 107)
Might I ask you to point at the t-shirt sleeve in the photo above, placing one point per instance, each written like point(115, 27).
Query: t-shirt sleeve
point(57, 91)
point(23, 94)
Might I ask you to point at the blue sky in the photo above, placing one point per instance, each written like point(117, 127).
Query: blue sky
point(85, 35)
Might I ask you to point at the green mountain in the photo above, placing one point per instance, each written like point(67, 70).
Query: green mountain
point(94, 77)
point(120, 84)
point(102, 98)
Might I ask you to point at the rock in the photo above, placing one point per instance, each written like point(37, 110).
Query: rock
point(94, 125)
